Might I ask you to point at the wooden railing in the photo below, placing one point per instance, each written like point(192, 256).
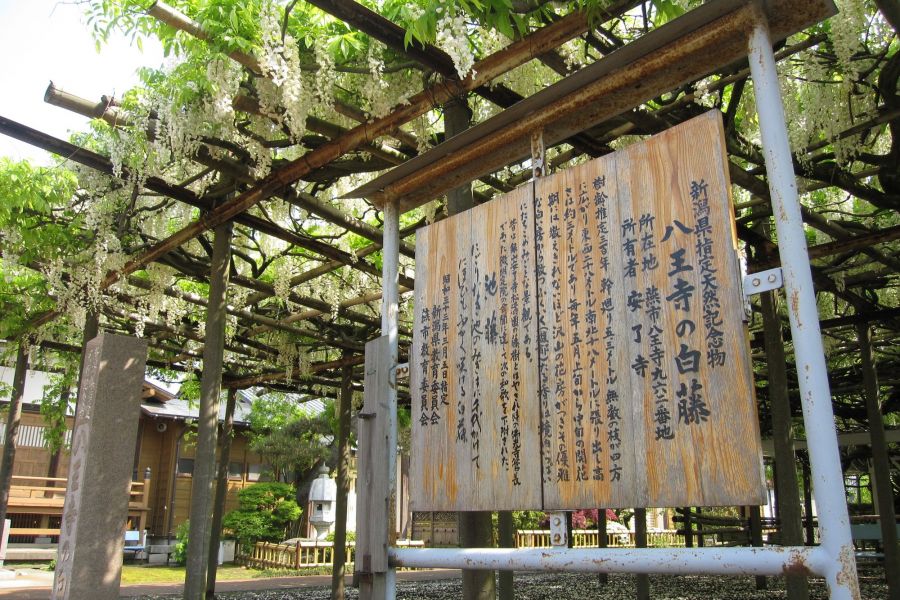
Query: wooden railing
point(587, 538)
point(45, 496)
point(303, 554)
point(266, 555)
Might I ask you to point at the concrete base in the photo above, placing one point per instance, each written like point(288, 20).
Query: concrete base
point(12, 579)
point(31, 552)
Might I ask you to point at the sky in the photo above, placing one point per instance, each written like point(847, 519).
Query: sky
point(48, 40)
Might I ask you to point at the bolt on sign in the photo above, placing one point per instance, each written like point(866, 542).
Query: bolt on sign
point(579, 342)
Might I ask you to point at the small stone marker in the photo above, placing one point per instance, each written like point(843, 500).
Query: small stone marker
point(89, 561)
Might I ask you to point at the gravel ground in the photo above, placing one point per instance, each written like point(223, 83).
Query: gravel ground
point(575, 586)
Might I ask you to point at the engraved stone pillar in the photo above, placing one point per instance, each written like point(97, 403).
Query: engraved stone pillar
point(89, 563)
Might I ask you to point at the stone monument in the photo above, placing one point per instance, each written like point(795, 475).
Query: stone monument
point(89, 560)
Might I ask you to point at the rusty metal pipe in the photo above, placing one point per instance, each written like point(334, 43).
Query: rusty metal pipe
point(697, 561)
point(839, 566)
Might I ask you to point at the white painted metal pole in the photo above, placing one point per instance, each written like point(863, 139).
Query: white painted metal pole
point(818, 416)
point(694, 561)
point(390, 269)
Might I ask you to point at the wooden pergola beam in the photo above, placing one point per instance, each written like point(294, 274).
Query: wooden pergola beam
point(848, 243)
point(248, 316)
point(106, 110)
point(485, 71)
point(178, 20)
point(392, 35)
point(261, 378)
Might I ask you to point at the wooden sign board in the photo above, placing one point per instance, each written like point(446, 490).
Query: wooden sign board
point(579, 342)
point(475, 364)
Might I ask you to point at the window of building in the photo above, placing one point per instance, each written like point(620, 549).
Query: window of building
point(185, 467)
point(235, 470)
point(259, 472)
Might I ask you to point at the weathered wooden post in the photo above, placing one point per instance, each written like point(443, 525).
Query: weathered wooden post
point(208, 421)
point(89, 562)
point(640, 541)
point(602, 540)
point(884, 489)
point(475, 528)
point(339, 554)
point(507, 540)
point(755, 523)
point(787, 491)
point(13, 417)
point(372, 522)
point(221, 491)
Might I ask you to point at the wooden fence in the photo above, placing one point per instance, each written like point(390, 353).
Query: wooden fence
point(300, 555)
point(266, 555)
point(587, 538)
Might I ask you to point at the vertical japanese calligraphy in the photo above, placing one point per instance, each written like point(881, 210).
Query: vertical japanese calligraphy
point(691, 377)
point(587, 425)
point(474, 452)
point(579, 341)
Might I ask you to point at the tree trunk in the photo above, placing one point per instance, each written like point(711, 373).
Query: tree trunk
point(53, 466)
point(475, 531)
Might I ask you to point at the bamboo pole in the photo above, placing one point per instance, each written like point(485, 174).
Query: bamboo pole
point(107, 111)
point(252, 380)
point(210, 385)
point(177, 20)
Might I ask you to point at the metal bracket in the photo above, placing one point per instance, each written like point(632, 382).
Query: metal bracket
point(558, 535)
point(764, 281)
point(401, 371)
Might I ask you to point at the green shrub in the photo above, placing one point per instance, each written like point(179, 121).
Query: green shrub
point(179, 554)
point(351, 536)
point(264, 512)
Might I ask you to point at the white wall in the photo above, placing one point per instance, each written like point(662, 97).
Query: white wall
point(34, 384)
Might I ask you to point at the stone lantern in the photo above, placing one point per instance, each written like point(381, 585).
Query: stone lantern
point(322, 498)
